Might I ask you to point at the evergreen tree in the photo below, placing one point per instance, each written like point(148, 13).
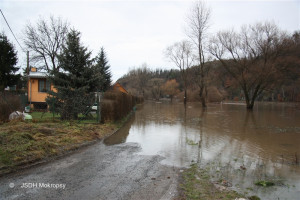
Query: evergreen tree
point(76, 83)
point(8, 60)
point(102, 67)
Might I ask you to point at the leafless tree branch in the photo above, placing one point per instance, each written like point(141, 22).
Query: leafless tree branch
point(44, 41)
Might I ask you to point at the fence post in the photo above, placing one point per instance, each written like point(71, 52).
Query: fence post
point(98, 107)
point(53, 111)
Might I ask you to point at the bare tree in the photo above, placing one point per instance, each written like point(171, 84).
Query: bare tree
point(197, 27)
point(182, 56)
point(45, 40)
point(136, 80)
point(251, 57)
point(171, 88)
point(156, 87)
point(143, 75)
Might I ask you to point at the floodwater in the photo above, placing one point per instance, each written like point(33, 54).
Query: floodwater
point(233, 144)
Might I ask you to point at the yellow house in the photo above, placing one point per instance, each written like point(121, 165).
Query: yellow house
point(38, 86)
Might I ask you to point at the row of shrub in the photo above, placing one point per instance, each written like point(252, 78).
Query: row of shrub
point(115, 105)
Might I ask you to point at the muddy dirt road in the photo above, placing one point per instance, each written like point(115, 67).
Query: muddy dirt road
point(95, 172)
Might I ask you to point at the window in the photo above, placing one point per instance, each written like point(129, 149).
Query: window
point(44, 85)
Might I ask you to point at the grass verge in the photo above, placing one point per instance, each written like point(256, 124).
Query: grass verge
point(196, 185)
point(22, 143)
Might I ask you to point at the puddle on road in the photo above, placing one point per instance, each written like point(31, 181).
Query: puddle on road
point(238, 146)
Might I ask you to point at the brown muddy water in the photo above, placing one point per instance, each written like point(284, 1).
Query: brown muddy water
point(236, 146)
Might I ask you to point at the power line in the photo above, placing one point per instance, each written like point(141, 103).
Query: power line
point(11, 30)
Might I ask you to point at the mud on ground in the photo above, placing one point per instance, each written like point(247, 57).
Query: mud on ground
point(96, 172)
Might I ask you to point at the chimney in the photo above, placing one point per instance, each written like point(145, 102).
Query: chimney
point(33, 69)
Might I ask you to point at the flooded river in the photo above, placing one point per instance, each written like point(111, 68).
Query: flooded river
point(233, 144)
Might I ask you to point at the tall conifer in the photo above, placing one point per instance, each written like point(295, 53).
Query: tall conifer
point(76, 82)
point(8, 60)
point(102, 67)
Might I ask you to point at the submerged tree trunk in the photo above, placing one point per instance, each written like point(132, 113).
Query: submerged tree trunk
point(202, 98)
point(202, 93)
point(250, 102)
point(250, 105)
point(185, 97)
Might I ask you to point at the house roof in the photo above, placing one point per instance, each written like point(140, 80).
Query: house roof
point(37, 74)
point(118, 86)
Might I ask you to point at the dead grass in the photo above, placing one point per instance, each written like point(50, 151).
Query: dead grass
point(196, 185)
point(23, 142)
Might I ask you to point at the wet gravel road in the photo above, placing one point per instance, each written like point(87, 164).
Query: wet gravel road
point(95, 172)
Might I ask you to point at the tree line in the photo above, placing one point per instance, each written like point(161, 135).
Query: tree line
point(257, 58)
point(149, 83)
point(258, 62)
point(152, 84)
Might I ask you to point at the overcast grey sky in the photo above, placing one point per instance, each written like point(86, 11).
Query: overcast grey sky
point(137, 31)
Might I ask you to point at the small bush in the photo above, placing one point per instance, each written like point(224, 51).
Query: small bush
point(110, 95)
point(264, 183)
point(192, 96)
point(115, 105)
point(214, 95)
point(8, 104)
point(107, 110)
point(254, 198)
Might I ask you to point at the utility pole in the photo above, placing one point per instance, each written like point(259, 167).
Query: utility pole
point(27, 63)
point(98, 107)
point(29, 83)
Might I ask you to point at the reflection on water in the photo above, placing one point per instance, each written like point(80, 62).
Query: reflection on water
point(121, 135)
point(235, 144)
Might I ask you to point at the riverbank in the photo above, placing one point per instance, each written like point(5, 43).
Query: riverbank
point(24, 144)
